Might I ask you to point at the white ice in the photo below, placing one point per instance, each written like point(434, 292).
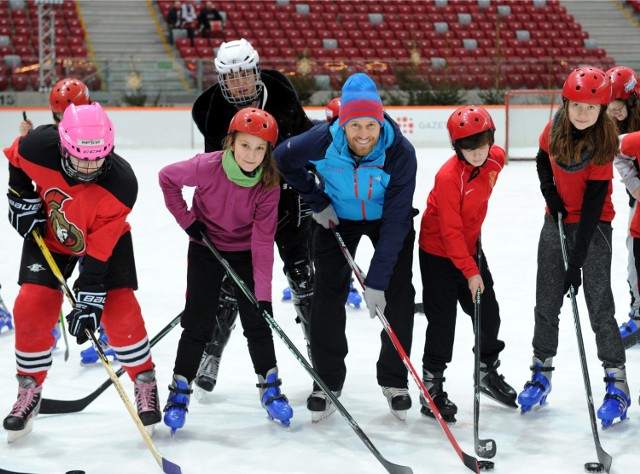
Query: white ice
point(230, 433)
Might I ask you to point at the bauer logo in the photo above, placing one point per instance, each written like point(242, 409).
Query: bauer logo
point(91, 142)
point(405, 124)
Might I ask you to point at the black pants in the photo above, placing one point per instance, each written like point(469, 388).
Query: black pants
point(293, 236)
point(204, 277)
point(329, 346)
point(443, 287)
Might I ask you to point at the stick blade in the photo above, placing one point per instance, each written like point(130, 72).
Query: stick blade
point(604, 459)
point(170, 468)
point(486, 448)
point(396, 468)
point(470, 462)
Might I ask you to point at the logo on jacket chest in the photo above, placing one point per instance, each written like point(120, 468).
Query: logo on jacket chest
point(66, 232)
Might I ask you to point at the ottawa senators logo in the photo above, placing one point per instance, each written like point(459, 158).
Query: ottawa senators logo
point(66, 233)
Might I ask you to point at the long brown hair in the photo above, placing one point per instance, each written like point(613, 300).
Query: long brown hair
point(270, 177)
point(632, 122)
point(600, 140)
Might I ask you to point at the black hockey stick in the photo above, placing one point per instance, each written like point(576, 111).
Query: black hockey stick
point(485, 448)
point(389, 466)
point(467, 459)
point(167, 466)
point(50, 406)
point(604, 459)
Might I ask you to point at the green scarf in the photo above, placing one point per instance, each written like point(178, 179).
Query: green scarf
point(235, 173)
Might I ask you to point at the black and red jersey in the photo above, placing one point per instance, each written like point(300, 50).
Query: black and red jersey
point(82, 218)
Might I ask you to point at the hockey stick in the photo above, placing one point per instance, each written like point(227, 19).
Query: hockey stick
point(604, 459)
point(485, 448)
point(389, 466)
point(467, 459)
point(64, 336)
point(166, 465)
point(50, 406)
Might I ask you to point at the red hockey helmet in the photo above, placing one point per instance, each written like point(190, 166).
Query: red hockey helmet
point(333, 108)
point(588, 85)
point(68, 91)
point(256, 122)
point(624, 81)
point(469, 120)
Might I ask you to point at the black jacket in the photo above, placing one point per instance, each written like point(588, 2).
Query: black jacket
point(212, 113)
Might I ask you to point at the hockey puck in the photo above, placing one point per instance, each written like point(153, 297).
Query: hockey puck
point(76, 472)
point(594, 467)
point(485, 465)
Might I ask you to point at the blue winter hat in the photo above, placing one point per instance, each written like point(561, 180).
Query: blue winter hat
point(360, 99)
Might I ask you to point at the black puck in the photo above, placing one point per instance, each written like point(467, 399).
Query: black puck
point(485, 465)
point(594, 467)
point(76, 472)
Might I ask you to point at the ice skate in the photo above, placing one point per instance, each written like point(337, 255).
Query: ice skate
point(433, 383)
point(494, 386)
point(57, 334)
point(175, 412)
point(6, 321)
point(399, 401)
point(630, 331)
point(353, 298)
point(538, 388)
point(19, 422)
point(147, 404)
point(276, 404)
point(616, 400)
point(207, 376)
point(89, 356)
point(320, 406)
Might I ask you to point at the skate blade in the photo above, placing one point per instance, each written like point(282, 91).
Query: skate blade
point(399, 414)
point(16, 435)
point(513, 404)
point(150, 429)
point(616, 422)
point(448, 419)
point(317, 416)
point(201, 394)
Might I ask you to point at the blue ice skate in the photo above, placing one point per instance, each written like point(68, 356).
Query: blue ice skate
point(286, 294)
point(630, 331)
point(354, 299)
point(536, 391)
point(56, 334)
point(90, 356)
point(616, 400)
point(175, 412)
point(5, 320)
point(272, 400)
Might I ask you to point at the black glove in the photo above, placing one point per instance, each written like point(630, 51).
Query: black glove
point(555, 205)
point(194, 230)
point(26, 214)
point(572, 277)
point(87, 312)
point(265, 306)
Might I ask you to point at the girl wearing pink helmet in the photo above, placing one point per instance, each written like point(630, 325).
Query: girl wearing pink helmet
point(625, 109)
point(575, 168)
point(449, 253)
point(235, 204)
point(53, 171)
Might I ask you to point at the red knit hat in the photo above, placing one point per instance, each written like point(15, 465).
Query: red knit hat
point(360, 99)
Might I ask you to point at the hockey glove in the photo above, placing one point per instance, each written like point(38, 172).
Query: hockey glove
point(265, 306)
point(556, 205)
point(195, 229)
point(328, 214)
point(87, 312)
point(572, 277)
point(26, 214)
point(374, 298)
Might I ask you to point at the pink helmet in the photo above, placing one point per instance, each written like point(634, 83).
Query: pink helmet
point(588, 85)
point(86, 134)
point(333, 108)
point(624, 81)
point(256, 122)
point(469, 120)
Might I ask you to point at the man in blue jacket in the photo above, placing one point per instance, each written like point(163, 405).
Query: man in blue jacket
point(367, 174)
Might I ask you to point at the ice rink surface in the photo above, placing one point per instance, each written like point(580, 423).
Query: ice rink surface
point(229, 432)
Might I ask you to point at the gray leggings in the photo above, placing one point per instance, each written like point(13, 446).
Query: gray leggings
point(596, 275)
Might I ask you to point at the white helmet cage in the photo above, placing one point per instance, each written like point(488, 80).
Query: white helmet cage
point(237, 65)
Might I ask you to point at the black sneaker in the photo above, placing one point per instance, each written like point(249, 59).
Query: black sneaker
point(494, 386)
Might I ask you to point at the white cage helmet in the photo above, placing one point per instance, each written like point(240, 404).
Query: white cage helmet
point(237, 65)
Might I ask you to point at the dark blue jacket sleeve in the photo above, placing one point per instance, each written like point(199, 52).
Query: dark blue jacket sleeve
point(397, 212)
point(293, 157)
